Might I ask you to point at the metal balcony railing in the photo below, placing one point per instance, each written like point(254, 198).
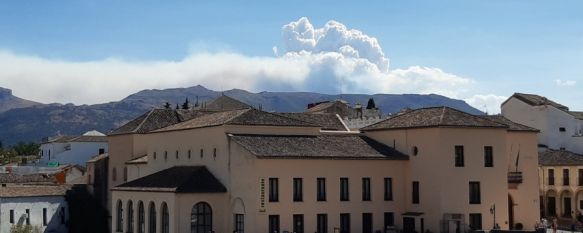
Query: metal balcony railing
point(515, 177)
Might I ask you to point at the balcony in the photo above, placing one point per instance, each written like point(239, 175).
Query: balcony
point(514, 177)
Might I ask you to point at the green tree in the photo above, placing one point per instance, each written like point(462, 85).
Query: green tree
point(186, 104)
point(167, 105)
point(371, 104)
point(23, 149)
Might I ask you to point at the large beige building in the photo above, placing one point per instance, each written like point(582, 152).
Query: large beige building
point(561, 183)
point(245, 170)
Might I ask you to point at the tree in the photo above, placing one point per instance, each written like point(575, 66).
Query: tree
point(167, 105)
point(177, 107)
point(371, 104)
point(23, 149)
point(186, 104)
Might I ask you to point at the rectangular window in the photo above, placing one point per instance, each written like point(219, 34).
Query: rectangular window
point(101, 151)
point(580, 177)
point(321, 193)
point(273, 224)
point(27, 217)
point(239, 223)
point(344, 223)
point(344, 189)
point(367, 223)
point(551, 176)
point(476, 221)
point(488, 157)
point(322, 223)
point(459, 156)
point(475, 196)
point(388, 189)
point(415, 197)
point(12, 216)
point(298, 223)
point(562, 129)
point(44, 216)
point(366, 189)
point(566, 177)
point(298, 193)
point(273, 189)
point(389, 220)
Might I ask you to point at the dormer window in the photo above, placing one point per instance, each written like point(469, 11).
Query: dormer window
point(562, 129)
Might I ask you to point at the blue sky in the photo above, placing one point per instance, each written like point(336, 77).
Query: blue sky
point(501, 46)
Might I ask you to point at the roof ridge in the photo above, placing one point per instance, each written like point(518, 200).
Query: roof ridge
point(143, 121)
point(242, 111)
point(441, 116)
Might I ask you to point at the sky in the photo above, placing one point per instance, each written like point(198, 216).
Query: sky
point(88, 52)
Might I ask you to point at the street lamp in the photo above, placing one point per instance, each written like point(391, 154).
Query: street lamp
point(493, 212)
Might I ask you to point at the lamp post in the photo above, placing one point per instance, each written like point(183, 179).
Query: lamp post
point(493, 212)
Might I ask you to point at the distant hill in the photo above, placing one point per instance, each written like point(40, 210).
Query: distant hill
point(8, 101)
point(36, 121)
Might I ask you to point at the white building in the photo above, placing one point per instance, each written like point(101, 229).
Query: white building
point(73, 149)
point(559, 127)
point(42, 207)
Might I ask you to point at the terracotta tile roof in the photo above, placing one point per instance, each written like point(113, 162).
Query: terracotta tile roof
point(322, 106)
point(98, 157)
point(325, 121)
point(317, 147)
point(551, 157)
point(238, 117)
point(208, 120)
point(257, 117)
point(33, 191)
point(224, 102)
point(139, 160)
point(537, 100)
point(157, 119)
point(89, 139)
point(181, 179)
point(10, 178)
point(60, 139)
point(577, 115)
point(512, 126)
point(434, 117)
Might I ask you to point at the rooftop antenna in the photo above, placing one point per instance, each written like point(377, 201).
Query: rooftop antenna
point(485, 109)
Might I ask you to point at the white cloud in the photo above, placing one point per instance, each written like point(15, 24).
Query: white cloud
point(333, 37)
point(487, 103)
point(564, 83)
point(332, 59)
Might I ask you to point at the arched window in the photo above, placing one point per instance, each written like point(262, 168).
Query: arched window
point(141, 218)
point(152, 218)
point(165, 218)
point(201, 218)
point(130, 227)
point(119, 218)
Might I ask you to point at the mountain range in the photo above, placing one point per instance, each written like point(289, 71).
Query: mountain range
point(29, 121)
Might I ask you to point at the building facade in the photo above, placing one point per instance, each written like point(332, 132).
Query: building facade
point(561, 184)
point(42, 207)
point(433, 169)
point(560, 128)
point(74, 150)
